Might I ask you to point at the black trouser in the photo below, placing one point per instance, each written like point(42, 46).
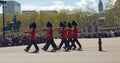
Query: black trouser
point(72, 43)
point(33, 42)
point(50, 42)
point(76, 40)
point(65, 42)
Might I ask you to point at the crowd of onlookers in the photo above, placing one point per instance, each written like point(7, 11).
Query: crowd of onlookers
point(18, 40)
point(103, 34)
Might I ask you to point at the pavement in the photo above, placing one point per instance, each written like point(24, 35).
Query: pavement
point(90, 53)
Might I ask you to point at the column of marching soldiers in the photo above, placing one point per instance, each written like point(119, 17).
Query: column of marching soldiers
point(68, 32)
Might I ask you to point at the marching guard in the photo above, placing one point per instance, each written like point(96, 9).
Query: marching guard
point(63, 32)
point(49, 37)
point(32, 38)
point(75, 35)
point(70, 36)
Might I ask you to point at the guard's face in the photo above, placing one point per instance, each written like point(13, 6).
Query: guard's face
point(31, 28)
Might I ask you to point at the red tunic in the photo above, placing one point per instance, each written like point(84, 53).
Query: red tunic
point(69, 33)
point(49, 33)
point(75, 33)
point(32, 34)
point(63, 32)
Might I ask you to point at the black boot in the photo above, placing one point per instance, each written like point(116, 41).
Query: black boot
point(36, 51)
point(79, 49)
point(25, 50)
point(43, 49)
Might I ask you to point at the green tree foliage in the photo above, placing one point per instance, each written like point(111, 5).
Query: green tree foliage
point(112, 13)
point(42, 17)
point(117, 8)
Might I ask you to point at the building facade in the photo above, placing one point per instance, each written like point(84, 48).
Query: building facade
point(12, 7)
point(29, 11)
point(49, 11)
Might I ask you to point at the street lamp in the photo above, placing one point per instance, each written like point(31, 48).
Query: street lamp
point(2, 2)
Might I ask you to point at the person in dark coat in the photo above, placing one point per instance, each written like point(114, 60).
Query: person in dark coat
point(32, 38)
point(50, 38)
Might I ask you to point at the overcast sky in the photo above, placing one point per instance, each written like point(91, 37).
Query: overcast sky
point(58, 4)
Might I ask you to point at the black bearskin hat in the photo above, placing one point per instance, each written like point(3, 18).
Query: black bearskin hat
point(69, 25)
point(74, 23)
point(49, 24)
point(32, 25)
point(64, 22)
point(61, 24)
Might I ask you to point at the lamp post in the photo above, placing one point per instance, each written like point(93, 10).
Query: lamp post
point(2, 2)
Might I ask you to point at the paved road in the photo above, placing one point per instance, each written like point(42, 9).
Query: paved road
point(90, 53)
